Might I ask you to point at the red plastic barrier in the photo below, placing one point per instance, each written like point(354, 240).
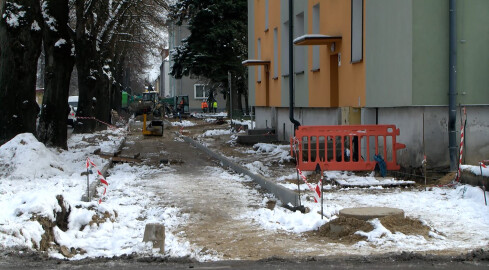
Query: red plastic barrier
point(345, 148)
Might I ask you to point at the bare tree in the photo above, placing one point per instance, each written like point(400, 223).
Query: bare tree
point(59, 62)
point(109, 38)
point(20, 46)
point(107, 35)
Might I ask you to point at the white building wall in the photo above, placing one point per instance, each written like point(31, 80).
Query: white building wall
point(410, 122)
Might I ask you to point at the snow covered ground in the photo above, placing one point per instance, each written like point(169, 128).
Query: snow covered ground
point(31, 176)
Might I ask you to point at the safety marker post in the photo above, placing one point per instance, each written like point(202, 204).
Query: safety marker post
point(100, 176)
point(462, 130)
point(88, 183)
point(317, 192)
point(481, 164)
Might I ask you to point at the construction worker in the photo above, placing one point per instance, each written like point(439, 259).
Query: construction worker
point(204, 106)
point(181, 104)
point(214, 106)
point(180, 109)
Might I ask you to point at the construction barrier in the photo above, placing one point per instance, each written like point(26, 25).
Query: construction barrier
point(345, 148)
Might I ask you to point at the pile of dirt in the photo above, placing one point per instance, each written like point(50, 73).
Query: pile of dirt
point(342, 229)
point(48, 240)
point(405, 225)
point(447, 179)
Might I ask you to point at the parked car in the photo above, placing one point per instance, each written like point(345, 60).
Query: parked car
point(73, 103)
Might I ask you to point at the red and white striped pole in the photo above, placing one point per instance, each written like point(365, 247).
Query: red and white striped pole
point(100, 176)
point(462, 129)
point(316, 190)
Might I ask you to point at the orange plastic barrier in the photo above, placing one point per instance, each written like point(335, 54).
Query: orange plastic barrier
point(345, 148)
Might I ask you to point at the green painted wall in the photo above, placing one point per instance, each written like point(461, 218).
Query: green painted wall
point(473, 52)
point(251, 52)
point(407, 52)
point(389, 52)
point(301, 86)
point(284, 17)
point(430, 52)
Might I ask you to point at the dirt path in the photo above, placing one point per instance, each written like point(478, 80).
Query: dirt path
point(214, 200)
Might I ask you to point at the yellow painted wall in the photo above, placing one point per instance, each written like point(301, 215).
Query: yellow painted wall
point(266, 37)
point(274, 22)
point(335, 19)
point(259, 14)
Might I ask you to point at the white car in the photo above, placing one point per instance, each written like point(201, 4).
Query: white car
point(73, 103)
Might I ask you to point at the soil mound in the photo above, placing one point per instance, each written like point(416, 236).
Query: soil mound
point(447, 179)
point(343, 229)
point(405, 225)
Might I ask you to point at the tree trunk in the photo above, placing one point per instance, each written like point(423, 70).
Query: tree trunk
point(116, 97)
point(119, 81)
point(59, 65)
point(102, 103)
point(20, 46)
point(87, 75)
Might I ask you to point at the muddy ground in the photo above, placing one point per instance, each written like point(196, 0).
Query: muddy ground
point(214, 227)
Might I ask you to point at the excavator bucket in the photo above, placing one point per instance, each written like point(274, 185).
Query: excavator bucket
point(154, 128)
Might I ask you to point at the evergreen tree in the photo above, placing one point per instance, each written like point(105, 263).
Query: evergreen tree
point(217, 43)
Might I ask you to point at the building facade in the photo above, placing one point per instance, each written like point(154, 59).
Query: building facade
point(373, 62)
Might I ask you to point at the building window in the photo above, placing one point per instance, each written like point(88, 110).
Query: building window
point(259, 58)
point(356, 31)
point(285, 49)
point(300, 51)
point(266, 15)
point(315, 30)
point(200, 91)
point(275, 53)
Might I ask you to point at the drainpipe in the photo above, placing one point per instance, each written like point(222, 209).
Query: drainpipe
point(452, 110)
point(291, 66)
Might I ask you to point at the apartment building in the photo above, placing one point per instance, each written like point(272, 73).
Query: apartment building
point(374, 62)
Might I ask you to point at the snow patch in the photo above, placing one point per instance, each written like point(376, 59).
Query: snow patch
point(216, 132)
point(24, 157)
point(60, 42)
point(48, 19)
point(13, 14)
point(476, 170)
point(184, 123)
point(35, 26)
point(360, 181)
point(381, 236)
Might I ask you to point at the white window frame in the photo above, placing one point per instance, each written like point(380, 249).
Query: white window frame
point(205, 95)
